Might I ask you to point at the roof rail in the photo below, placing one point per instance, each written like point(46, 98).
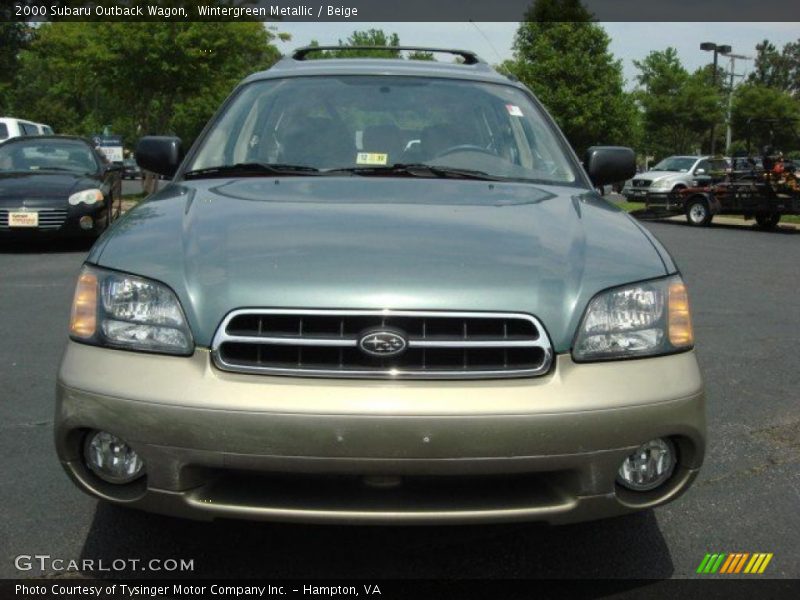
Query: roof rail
point(470, 58)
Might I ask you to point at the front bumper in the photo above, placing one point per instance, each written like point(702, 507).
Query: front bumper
point(279, 448)
point(68, 227)
point(642, 194)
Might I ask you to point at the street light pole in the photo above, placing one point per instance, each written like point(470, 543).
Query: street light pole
point(716, 49)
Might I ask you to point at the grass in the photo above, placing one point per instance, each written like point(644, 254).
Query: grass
point(630, 206)
point(134, 197)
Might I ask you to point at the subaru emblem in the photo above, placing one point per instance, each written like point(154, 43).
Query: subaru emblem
point(382, 343)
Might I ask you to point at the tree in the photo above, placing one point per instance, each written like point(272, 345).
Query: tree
point(678, 109)
point(139, 78)
point(14, 37)
point(779, 70)
point(420, 55)
point(563, 57)
point(370, 37)
point(766, 115)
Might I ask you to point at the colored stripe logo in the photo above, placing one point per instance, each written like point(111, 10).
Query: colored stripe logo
point(735, 563)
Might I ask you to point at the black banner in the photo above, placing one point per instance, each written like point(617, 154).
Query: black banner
point(391, 10)
point(708, 589)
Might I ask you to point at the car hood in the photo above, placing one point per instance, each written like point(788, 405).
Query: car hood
point(353, 242)
point(16, 186)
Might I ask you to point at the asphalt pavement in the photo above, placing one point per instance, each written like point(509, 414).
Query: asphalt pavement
point(743, 286)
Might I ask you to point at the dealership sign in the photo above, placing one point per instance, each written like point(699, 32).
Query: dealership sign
point(110, 146)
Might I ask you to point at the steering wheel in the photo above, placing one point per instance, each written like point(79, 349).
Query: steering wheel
point(464, 148)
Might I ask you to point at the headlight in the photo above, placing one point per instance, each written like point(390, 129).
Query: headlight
point(86, 197)
point(661, 184)
point(643, 319)
point(124, 311)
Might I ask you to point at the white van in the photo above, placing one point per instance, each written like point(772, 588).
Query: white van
point(11, 127)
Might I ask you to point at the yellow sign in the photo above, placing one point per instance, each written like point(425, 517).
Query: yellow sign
point(371, 158)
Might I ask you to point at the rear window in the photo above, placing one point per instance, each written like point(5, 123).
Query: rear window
point(29, 129)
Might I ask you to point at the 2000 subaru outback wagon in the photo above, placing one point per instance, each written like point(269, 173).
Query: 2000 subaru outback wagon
point(381, 291)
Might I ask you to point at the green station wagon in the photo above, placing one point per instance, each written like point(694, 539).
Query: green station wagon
point(381, 291)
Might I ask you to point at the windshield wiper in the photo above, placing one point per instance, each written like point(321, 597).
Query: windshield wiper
point(418, 170)
point(251, 169)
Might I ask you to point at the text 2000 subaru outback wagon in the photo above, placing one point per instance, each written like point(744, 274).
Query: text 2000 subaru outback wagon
point(381, 291)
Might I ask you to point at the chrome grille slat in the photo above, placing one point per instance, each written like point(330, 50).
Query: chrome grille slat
point(293, 341)
point(414, 343)
point(325, 343)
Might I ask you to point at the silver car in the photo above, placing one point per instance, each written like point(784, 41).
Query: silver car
point(674, 174)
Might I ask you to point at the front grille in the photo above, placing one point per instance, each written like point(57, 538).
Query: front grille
point(642, 183)
point(49, 218)
point(413, 496)
point(326, 343)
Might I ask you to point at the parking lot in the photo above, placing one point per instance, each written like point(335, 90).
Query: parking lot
point(743, 285)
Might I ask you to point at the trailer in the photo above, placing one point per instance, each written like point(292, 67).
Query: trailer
point(763, 187)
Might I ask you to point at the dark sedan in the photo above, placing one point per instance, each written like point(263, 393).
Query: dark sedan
point(130, 170)
point(56, 185)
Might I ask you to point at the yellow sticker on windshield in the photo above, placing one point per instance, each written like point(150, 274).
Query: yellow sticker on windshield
point(371, 158)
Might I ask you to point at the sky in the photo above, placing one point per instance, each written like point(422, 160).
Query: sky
point(629, 41)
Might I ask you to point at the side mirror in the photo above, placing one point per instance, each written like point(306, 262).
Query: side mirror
point(609, 164)
point(700, 171)
point(159, 154)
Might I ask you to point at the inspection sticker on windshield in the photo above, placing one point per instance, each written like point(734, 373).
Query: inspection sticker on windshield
point(23, 219)
point(371, 158)
point(514, 110)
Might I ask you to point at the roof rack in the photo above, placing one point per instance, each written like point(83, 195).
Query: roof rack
point(470, 58)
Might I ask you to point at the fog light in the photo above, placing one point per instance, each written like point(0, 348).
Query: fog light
point(86, 222)
point(111, 458)
point(648, 467)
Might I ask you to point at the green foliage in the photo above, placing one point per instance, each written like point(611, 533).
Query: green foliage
point(421, 55)
point(563, 57)
point(772, 114)
point(14, 37)
point(558, 11)
point(737, 146)
point(678, 108)
point(370, 37)
point(139, 78)
point(780, 70)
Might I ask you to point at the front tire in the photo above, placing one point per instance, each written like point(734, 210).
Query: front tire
point(697, 213)
point(768, 221)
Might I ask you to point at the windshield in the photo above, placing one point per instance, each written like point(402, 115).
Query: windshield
point(47, 155)
point(675, 163)
point(375, 122)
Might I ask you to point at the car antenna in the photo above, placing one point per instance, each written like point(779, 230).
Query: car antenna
point(488, 41)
